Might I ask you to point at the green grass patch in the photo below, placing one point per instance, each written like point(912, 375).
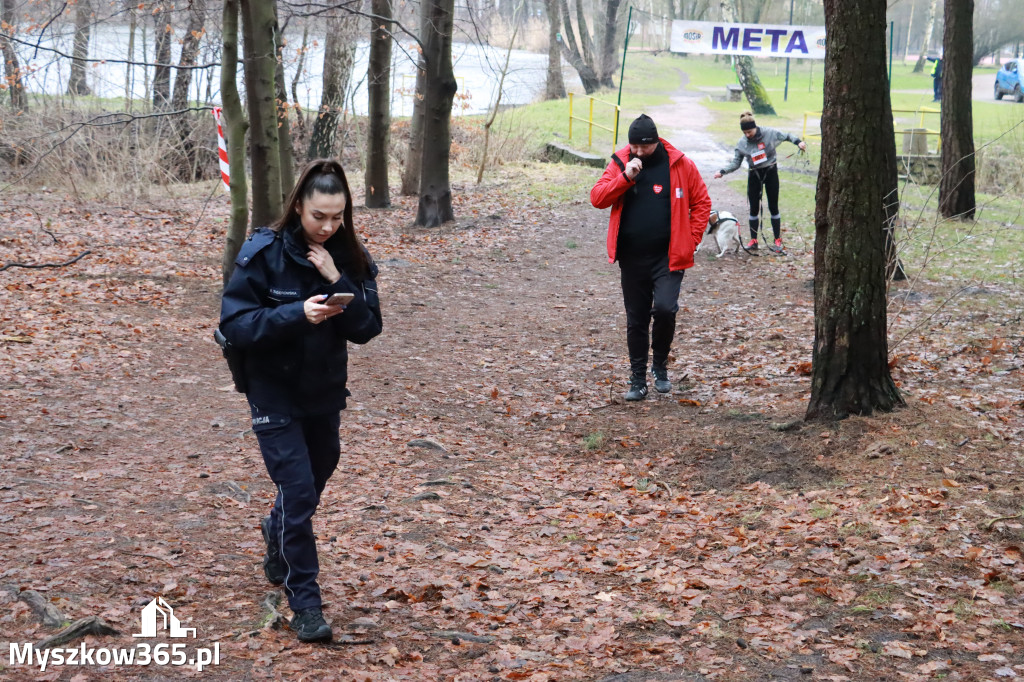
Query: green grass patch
point(822, 511)
point(650, 81)
point(594, 441)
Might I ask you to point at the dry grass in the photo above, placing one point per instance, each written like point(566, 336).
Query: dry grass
point(94, 153)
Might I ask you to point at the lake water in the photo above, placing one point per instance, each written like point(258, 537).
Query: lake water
point(477, 70)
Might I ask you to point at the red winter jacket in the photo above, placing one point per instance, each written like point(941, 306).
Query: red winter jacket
point(691, 204)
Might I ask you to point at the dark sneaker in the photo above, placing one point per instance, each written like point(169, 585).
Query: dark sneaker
point(637, 387)
point(777, 248)
point(661, 382)
point(273, 564)
point(751, 245)
point(309, 625)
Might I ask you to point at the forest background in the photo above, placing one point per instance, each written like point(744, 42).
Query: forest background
point(712, 534)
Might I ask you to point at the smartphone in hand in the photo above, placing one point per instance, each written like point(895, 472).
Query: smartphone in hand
point(338, 299)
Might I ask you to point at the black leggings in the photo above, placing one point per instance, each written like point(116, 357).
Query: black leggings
point(766, 179)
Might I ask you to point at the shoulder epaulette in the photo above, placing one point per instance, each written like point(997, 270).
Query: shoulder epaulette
point(256, 242)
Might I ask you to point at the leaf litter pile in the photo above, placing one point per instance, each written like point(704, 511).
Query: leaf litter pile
point(499, 513)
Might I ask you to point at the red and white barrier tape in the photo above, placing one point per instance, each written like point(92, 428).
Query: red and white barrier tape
point(222, 152)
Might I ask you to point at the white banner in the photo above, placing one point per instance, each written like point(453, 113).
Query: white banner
point(752, 40)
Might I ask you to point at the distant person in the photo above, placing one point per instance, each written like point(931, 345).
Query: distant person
point(274, 311)
point(757, 146)
point(660, 207)
point(936, 78)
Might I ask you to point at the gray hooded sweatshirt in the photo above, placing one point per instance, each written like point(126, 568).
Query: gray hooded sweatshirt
point(759, 150)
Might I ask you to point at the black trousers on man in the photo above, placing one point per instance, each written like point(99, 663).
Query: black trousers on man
point(651, 296)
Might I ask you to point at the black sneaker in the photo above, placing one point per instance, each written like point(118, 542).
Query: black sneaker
point(309, 625)
point(661, 382)
point(751, 245)
point(273, 564)
point(637, 387)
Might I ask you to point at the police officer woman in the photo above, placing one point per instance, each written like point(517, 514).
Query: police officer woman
point(296, 364)
point(757, 146)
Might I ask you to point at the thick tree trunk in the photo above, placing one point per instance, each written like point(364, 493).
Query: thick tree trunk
point(189, 52)
point(80, 51)
point(378, 134)
point(577, 57)
point(184, 165)
point(435, 205)
point(850, 372)
point(339, 55)
point(929, 28)
point(414, 154)
point(609, 52)
point(234, 132)
point(12, 67)
point(893, 266)
point(258, 23)
point(756, 95)
point(555, 87)
point(162, 56)
point(956, 188)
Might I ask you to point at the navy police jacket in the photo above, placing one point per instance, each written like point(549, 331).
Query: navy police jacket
point(293, 366)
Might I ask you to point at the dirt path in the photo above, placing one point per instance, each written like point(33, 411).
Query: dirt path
point(704, 534)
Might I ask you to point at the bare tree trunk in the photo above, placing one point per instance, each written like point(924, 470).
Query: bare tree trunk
point(608, 44)
point(80, 51)
point(850, 371)
point(378, 135)
point(956, 188)
point(258, 24)
point(12, 67)
point(910, 28)
point(497, 101)
point(414, 155)
point(339, 54)
point(299, 118)
point(235, 126)
point(435, 205)
point(929, 28)
point(578, 58)
point(284, 133)
point(555, 88)
point(162, 55)
point(129, 82)
point(757, 96)
point(189, 52)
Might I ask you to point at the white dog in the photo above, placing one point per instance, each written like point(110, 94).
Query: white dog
point(724, 227)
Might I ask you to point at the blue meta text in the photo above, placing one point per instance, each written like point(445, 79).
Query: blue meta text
point(753, 39)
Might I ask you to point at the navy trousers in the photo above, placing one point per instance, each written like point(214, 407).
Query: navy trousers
point(651, 296)
point(301, 453)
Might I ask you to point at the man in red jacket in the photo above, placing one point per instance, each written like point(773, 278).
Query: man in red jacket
point(660, 208)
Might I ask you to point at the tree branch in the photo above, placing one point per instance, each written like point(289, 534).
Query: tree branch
point(46, 265)
point(6, 36)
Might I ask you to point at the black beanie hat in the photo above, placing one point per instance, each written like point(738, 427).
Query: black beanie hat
point(643, 130)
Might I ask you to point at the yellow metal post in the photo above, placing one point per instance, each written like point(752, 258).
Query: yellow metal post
point(570, 117)
point(615, 137)
point(590, 125)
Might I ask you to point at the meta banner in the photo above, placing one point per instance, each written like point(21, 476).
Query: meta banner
point(751, 40)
